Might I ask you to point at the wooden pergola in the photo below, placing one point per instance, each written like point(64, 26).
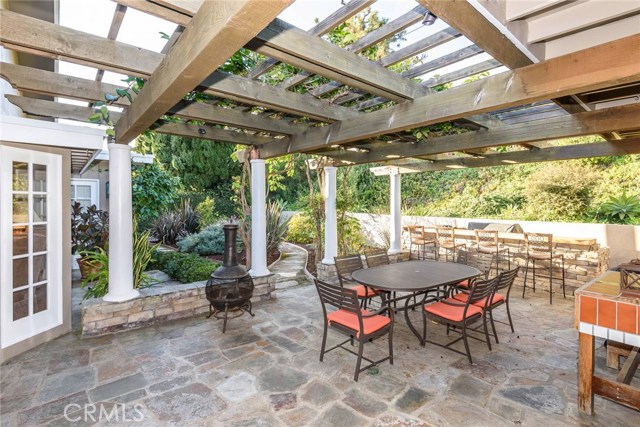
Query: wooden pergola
point(572, 69)
point(531, 103)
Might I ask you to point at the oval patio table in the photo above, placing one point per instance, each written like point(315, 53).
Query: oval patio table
point(416, 277)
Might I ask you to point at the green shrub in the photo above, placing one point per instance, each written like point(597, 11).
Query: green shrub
point(301, 229)
point(154, 190)
point(185, 268)
point(559, 192)
point(350, 236)
point(207, 211)
point(209, 241)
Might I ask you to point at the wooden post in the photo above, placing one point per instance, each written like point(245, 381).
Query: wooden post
point(586, 350)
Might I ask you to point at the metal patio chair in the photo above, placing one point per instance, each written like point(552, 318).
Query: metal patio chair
point(540, 248)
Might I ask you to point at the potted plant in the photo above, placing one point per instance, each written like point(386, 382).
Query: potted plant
point(89, 233)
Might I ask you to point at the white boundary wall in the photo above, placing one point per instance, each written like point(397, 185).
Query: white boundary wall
point(622, 240)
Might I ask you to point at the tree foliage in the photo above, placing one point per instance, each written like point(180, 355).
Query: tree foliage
point(154, 190)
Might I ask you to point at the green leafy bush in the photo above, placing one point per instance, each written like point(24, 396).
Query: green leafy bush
point(624, 209)
point(300, 229)
point(185, 268)
point(209, 241)
point(350, 236)
point(559, 192)
point(207, 211)
point(154, 190)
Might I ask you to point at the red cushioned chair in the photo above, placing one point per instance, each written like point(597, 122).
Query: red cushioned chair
point(461, 314)
point(499, 298)
point(356, 323)
point(345, 266)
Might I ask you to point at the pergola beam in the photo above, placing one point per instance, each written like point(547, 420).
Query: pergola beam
point(215, 33)
point(65, 43)
point(605, 65)
point(567, 152)
point(580, 124)
point(44, 108)
point(296, 47)
point(216, 134)
point(323, 27)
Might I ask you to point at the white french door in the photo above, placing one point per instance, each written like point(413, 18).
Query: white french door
point(31, 249)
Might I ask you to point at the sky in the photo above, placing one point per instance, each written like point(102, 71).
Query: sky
point(142, 30)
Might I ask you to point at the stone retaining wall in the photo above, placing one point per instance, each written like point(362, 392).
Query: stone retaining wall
point(157, 304)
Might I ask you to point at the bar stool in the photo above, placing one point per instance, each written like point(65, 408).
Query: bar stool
point(540, 248)
point(446, 237)
point(487, 243)
point(417, 237)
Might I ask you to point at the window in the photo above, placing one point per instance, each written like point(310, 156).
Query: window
point(85, 192)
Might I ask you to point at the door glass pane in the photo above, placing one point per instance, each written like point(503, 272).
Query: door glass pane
point(20, 239)
point(20, 176)
point(39, 238)
point(20, 208)
point(20, 272)
point(39, 268)
point(39, 177)
point(39, 208)
point(40, 298)
point(20, 304)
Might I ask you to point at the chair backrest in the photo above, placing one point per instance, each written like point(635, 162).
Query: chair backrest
point(462, 257)
point(376, 257)
point(339, 297)
point(481, 289)
point(506, 279)
point(416, 232)
point(445, 233)
point(347, 264)
point(539, 242)
point(486, 237)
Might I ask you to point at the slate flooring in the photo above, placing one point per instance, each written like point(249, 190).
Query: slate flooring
point(265, 372)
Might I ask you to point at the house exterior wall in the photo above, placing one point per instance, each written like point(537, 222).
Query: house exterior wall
point(100, 172)
point(11, 351)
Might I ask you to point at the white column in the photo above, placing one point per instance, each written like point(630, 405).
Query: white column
point(396, 216)
point(120, 225)
point(258, 219)
point(330, 217)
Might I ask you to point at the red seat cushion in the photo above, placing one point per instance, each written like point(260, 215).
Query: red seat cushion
point(464, 284)
point(451, 312)
point(350, 320)
point(496, 299)
point(364, 292)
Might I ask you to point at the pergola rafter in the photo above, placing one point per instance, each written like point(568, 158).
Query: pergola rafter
point(566, 75)
point(410, 104)
point(567, 152)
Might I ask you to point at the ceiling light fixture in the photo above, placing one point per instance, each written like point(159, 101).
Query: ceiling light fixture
point(429, 18)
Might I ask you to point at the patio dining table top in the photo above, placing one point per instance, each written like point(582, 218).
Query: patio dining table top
point(414, 276)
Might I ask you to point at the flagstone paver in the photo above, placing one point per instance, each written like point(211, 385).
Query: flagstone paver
point(265, 372)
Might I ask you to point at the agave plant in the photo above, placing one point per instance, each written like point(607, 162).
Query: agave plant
point(623, 209)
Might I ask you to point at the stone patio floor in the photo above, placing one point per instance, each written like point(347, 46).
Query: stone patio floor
point(265, 372)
